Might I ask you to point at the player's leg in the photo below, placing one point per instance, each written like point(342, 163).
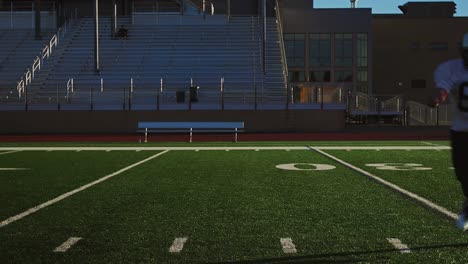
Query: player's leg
point(459, 151)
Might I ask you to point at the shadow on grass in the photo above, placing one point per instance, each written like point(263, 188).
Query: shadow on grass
point(341, 257)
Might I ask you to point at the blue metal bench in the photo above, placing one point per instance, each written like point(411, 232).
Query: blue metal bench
point(190, 127)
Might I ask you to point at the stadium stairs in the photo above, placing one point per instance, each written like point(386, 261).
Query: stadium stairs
point(18, 49)
point(178, 49)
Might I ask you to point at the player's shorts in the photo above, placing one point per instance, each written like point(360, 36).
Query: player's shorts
point(459, 157)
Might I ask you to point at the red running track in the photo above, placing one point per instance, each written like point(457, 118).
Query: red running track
point(344, 136)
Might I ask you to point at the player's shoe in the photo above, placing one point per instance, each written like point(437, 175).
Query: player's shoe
point(462, 221)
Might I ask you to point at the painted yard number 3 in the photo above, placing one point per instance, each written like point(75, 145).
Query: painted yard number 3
point(379, 166)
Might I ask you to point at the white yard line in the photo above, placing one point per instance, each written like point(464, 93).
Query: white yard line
point(9, 152)
point(78, 149)
point(398, 245)
point(288, 246)
point(68, 194)
point(67, 244)
point(395, 187)
point(178, 245)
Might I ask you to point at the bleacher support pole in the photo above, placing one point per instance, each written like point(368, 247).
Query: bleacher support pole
point(114, 19)
point(222, 93)
point(11, 14)
point(130, 92)
point(96, 35)
point(37, 12)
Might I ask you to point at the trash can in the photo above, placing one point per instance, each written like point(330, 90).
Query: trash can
point(180, 97)
point(193, 94)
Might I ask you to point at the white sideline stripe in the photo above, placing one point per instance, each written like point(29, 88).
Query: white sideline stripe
point(178, 245)
point(13, 151)
point(398, 245)
point(223, 148)
point(288, 246)
point(12, 169)
point(68, 194)
point(67, 244)
point(395, 187)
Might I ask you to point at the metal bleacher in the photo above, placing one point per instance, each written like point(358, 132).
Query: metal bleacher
point(179, 49)
point(18, 49)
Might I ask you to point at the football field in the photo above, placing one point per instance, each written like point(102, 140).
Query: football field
point(284, 202)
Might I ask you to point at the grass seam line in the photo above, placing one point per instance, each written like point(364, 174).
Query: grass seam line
point(392, 186)
point(430, 144)
point(9, 152)
point(70, 193)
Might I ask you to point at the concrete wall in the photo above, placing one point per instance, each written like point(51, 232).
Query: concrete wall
point(56, 122)
point(338, 20)
point(396, 61)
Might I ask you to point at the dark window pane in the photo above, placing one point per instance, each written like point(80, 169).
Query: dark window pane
point(344, 76)
point(320, 76)
point(361, 76)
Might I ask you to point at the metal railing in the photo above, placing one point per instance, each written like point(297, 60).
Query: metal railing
point(362, 102)
point(107, 94)
point(279, 22)
point(421, 114)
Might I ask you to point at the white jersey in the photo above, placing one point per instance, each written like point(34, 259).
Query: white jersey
point(450, 76)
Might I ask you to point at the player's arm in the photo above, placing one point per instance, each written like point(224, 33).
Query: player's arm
point(443, 83)
point(439, 97)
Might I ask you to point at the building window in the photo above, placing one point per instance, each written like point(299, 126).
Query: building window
point(362, 89)
point(296, 76)
point(343, 76)
point(295, 49)
point(344, 50)
point(362, 50)
point(418, 83)
point(438, 46)
point(320, 52)
point(361, 76)
point(320, 76)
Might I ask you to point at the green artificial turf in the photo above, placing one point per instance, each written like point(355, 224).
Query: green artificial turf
point(438, 184)
point(233, 207)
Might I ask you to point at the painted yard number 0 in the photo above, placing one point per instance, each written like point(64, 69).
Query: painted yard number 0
point(379, 166)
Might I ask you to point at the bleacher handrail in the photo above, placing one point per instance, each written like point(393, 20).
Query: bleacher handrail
point(45, 53)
